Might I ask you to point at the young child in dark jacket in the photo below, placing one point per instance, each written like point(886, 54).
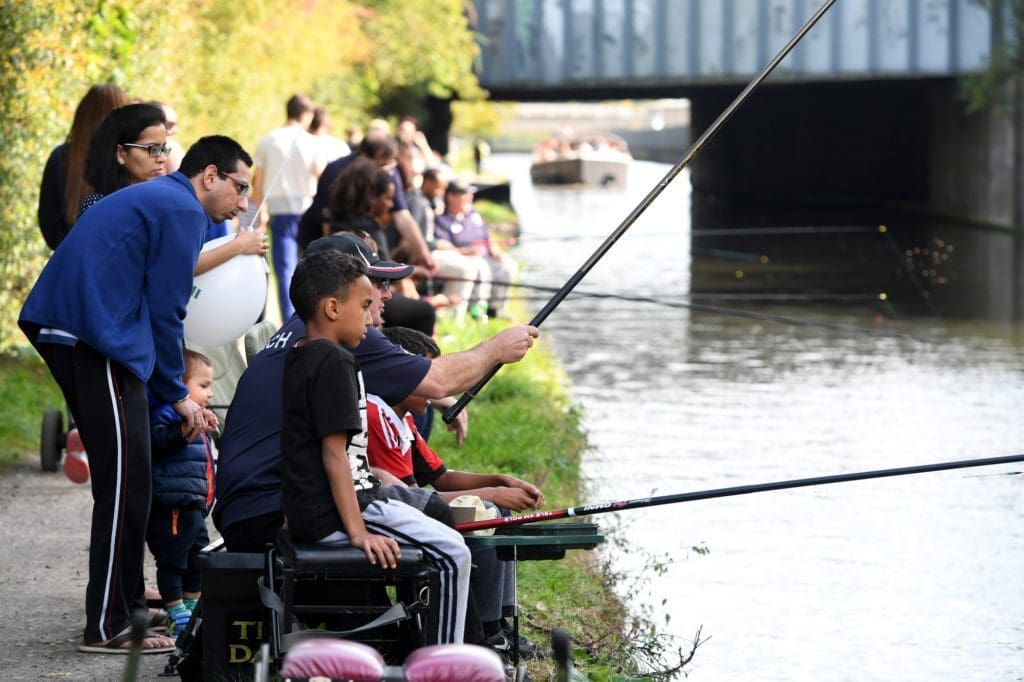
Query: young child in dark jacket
point(182, 495)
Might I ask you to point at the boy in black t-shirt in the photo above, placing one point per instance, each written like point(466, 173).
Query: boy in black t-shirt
point(329, 494)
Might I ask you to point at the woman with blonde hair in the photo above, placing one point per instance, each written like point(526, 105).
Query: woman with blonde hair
point(64, 185)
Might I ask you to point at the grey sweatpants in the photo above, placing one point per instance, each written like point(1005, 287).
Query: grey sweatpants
point(442, 547)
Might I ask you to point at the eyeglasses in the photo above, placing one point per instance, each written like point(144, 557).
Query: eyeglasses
point(154, 150)
point(243, 188)
point(382, 284)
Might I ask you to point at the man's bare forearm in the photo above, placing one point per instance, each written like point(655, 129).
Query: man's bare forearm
point(454, 373)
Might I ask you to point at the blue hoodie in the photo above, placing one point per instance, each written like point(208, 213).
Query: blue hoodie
point(121, 280)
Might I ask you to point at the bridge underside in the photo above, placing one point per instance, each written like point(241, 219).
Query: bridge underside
point(903, 154)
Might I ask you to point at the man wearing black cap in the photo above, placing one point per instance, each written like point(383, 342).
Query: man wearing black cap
point(248, 509)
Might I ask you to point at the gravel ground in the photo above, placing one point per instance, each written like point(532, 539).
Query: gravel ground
point(44, 555)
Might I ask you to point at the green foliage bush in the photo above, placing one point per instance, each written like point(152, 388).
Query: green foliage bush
point(227, 66)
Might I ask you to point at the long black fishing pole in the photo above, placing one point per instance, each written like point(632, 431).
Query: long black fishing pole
point(451, 413)
point(733, 232)
point(604, 507)
point(746, 314)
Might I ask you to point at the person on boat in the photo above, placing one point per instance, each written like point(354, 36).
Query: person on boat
point(462, 229)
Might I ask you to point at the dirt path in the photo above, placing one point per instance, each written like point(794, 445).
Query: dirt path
point(44, 546)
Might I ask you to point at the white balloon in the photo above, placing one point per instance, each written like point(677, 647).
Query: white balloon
point(227, 299)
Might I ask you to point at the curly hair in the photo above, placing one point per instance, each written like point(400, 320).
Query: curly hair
point(322, 274)
point(356, 189)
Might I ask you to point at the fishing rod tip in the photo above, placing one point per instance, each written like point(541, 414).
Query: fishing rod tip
point(883, 229)
point(883, 296)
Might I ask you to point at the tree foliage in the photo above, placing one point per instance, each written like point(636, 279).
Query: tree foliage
point(227, 66)
point(1006, 63)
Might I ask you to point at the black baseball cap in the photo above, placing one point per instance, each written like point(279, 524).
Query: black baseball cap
point(455, 188)
point(346, 242)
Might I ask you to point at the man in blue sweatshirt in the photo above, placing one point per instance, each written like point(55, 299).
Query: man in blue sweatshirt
point(106, 314)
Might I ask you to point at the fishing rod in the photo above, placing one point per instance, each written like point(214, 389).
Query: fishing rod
point(744, 297)
point(640, 298)
point(734, 232)
point(638, 503)
point(451, 413)
point(734, 312)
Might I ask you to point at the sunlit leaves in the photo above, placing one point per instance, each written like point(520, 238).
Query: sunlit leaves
point(226, 66)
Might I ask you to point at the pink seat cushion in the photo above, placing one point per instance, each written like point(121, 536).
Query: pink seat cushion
point(333, 658)
point(454, 663)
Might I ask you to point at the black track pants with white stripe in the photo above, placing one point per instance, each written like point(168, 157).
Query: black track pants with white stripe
point(111, 410)
point(442, 547)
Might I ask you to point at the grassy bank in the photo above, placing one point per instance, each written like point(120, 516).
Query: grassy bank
point(523, 423)
point(26, 391)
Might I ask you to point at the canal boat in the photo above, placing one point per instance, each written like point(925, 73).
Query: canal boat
point(599, 161)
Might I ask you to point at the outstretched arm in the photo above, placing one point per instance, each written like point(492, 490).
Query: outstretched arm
point(454, 373)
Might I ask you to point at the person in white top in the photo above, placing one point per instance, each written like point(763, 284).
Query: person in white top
point(288, 162)
point(331, 146)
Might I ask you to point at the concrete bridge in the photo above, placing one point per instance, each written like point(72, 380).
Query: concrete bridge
point(600, 49)
point(864, 118)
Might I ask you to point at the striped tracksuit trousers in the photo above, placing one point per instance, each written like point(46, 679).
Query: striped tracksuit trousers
point(111, 410)
point(442, 547)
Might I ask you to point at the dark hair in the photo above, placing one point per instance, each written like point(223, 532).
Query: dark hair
point(412, 340)
point(213, 150)
point(322, 274)
point(355, 190)
point(374, 146)
point(121, 126)
point(297, 105)
point(99, 101)
point(192, 360)
point(319, 117)
point(433, 174)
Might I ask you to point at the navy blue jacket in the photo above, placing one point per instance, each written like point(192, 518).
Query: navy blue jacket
point(182, 471)
point(248, 467)
point(121, 280)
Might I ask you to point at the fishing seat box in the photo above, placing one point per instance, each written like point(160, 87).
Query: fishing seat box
point(332, 595)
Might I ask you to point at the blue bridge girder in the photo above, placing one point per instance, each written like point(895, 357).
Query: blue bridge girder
point(594, 49)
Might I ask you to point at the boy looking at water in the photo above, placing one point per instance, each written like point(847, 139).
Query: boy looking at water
point(182, 494)
point(328, 492)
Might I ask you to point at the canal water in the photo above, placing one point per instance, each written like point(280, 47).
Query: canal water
point(910, 578)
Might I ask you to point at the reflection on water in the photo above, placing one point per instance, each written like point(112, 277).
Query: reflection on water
point(916, 577)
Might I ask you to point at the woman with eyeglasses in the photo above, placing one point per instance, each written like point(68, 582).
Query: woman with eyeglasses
point(128, 147)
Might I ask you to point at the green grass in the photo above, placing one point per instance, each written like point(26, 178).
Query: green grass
point(496, 214)
point(523, 423)
point(26, 391)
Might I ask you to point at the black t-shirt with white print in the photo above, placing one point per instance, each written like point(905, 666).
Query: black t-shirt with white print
point(322, 394)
